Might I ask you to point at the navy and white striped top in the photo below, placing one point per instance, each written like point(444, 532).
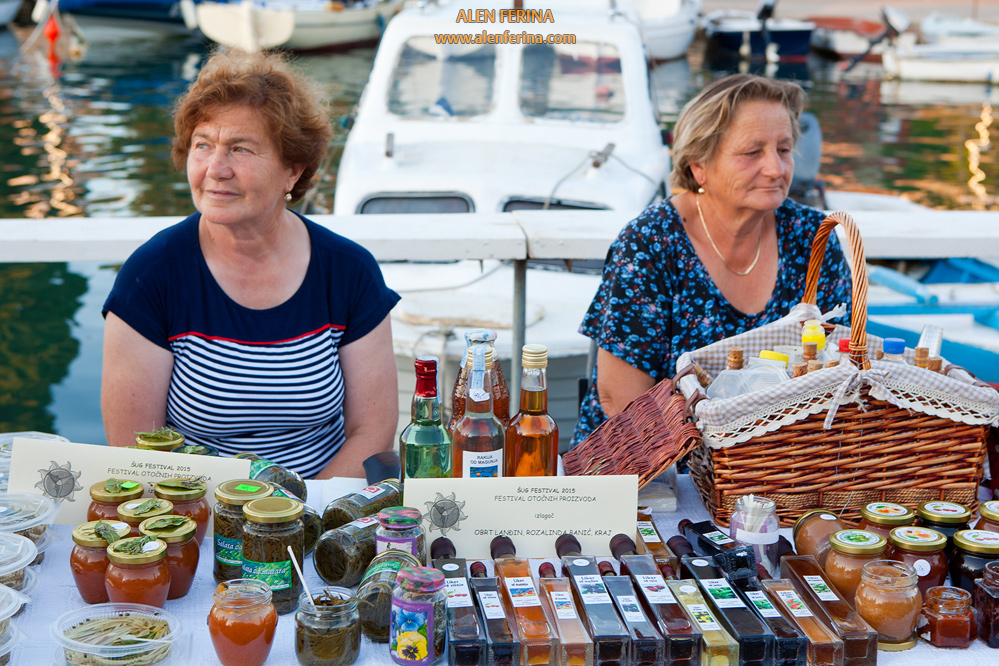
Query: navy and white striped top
point(262, 381)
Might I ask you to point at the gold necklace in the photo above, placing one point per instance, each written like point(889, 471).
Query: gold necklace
point(759, 245)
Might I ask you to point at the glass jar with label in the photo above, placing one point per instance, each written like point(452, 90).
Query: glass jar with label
point(264, 470)
point(923, 550)
point(889, 600)
point(272, 526)
point(374, 593)
point(418, 624)
point(188, 497)
point(973, 549)
point(343, 554)
point(754, 522)
point(136, 511)
point(365, 502)
point(227, 519)
point(946, 518)
point(242, 622)
point(882, 517)
point(812, 531)
point(989, 516)
point(327, 628)
point(107, 495)
point(986, 598)
point(182, 554)
point(89, 559)
point(948, 620)
point(399, 528)
point(851, 550)
point(138, 572)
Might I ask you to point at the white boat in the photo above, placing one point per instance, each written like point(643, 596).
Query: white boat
point(110, 20)
point(977, 61)
point(941, 28)
point(847, 37)
point(669, 26)
point(742, 32)
point(299, 25)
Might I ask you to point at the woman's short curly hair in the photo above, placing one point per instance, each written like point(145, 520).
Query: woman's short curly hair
point(293, 107)
point(707, 117)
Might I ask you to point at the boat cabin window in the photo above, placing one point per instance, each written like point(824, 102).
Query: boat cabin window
point(579, 82)
point(442, 80)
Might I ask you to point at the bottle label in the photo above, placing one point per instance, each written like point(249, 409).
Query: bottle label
point(887, 509)
point(981, 537)
point(277, 575)
point(407, 544)
point(361, 523)
point(562, 604)
point(762, 604)
point(411, 632)
point(654, 588)
point(647, 531)
point(793, 603)
point(821, 588)
point(522, 592)
point(378, 567)
point(722, 593)
point(718, 538)
point(755, 538)
point(490, 604)
point(371, 492)
point(592, 590)
point(458, 594)
point(229, 551)
point(630, 610)
point(258, 466)
point(703, 617)
point(482, 464)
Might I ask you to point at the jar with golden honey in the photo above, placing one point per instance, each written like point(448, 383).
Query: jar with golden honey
point(851, 550)
point(923, 549)
point(107, 495)
point(989, 516)
point(881, 517)
point(946, 518)
point(888, 599)
point(812, 531)
point(242, 622)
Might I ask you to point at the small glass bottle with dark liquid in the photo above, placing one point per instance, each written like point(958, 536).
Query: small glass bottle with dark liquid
point(465, 638)
point(737, 561)
point(647, 646)
point(502, 645)
point(824, 647)
point(986, 598)
point(539, 644)
point(790, 645)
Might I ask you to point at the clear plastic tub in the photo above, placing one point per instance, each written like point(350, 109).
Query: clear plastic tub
point(28, 587)
point(8, 641)
point(30, 516)
point(10, 605)
point(16, 553)
point(94, 630)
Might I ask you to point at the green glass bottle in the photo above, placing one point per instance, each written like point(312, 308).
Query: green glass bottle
point(425, 444)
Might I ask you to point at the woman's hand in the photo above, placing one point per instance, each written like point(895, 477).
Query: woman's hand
point(618, 382)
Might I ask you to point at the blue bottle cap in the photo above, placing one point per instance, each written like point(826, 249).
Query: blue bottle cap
point(894, 346)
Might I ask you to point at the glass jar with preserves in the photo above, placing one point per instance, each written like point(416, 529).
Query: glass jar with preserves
point(946, 518)
point(365, 502)
point(923, 550)
point(374, 593)
point(418, 625)
point(889, 600)
point(227, 521)
point(310, 519)
point(812, 531)
point(343, 554)
point(136, 511)
point(973, 549)
point(327, 628)
point(262, 469)
point(399, 528)
point(107, 495)
point(89, 557)
point(161, 439)
point(986, 597)
point(851, 550)
point(197, 450)
point(138, 572)
point(188, 497)
point(273, 526)
point(182, 554)
point(948, 620)
point(242, 622)
point(881, 517)
point(989, 516)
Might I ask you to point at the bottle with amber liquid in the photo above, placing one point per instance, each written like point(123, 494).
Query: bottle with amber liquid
point(574, 639)
point(425, 444)
point(497, 382)
point(477, 439)
point(532, 436)
point(538, 643)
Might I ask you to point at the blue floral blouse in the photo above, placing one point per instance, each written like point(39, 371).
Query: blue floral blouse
point(657, 301)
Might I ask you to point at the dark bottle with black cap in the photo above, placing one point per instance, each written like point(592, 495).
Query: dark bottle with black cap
point(737, 561)
point(502, 646)
point(465, 638)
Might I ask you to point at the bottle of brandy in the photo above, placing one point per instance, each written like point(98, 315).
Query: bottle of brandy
point(498, 386)
point(425, 445)
point(477, 439)
point(532, 436)
point(465, 641)
point(538, 643)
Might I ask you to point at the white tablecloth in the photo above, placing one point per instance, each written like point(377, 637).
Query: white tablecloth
point(57, 594)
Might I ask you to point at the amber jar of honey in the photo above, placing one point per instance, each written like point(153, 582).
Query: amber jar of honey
point(141, 577)
point(851, 550)
point(923, 550)
point(812, 531)
point(889, 600)
point(948, 620)
point(882, 517)
point(989, 516)
point(107, 495)
point(242, 622)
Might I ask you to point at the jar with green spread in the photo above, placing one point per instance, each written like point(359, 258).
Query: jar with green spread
point(272, 526)
point(227, 518)
point(365, 502)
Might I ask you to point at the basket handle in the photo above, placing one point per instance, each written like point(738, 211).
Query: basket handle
point(858, 270)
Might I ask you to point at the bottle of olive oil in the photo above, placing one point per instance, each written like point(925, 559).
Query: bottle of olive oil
point(425, 444)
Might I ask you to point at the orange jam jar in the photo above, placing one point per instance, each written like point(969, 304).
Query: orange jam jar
point(881, 517)
point(182, 553)
point(105, 497)
point(141, 577)
point(188, 497)
point(889, 600)
point(89, 559)
point(922, 549)
point(242, 622)
point(812, 531)
point(136, 511)
point(851, 550)
point(989, 520)
point(948, 620)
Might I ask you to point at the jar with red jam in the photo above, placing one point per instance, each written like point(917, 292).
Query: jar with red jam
point(946, 518)
point(138, 572)
point(986, 596)
point(989, 516)
point(973, 550)
point(923, 550)
point(948, 620)
point(183, 552)
point(812, 531)
point(136, 511)
point(889, 600)
point(107, 495)
point(851, 550)
point(188, 497)
point(89, 559)
point(242, 622)
point(882, 517)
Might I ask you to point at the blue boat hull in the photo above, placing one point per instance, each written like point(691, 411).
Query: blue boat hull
point(165, 11)
point(791, 44)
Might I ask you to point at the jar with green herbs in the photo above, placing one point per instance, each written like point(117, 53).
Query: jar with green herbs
point(365, 502)
point(262, 469)
point(136, 511)
point(161, 439)
point(227, 518)
point(418, 625)
point(343, 554)
point(196, 450)
point(327, 628)
point(374, 594)
point(310, 519)
point(138, 572)
point(188, 497)
point(183, 553)
point(399, 528)
point(273, 526)
point(107, 495)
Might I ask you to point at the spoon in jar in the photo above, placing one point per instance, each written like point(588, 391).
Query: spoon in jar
point(294, 563)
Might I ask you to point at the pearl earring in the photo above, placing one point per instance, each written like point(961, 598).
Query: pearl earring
point(287, 196)
point(700, 190)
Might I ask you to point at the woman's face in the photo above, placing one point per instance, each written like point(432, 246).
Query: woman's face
point(753, 165)
point(235, 168)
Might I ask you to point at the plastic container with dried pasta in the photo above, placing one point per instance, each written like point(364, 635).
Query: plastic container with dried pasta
point(10, 603)
point(28, 515)
point(16, 553)
point(105, 634)
point(9, 639)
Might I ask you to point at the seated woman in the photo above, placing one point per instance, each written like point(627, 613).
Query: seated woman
point(727, 254)
point(246, 326)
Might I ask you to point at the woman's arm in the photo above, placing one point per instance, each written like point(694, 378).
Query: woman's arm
point(370, 401)
point(618, 382)
point(134, 382)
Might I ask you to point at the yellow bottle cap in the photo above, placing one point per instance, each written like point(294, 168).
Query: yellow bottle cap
point(813, 332)
point(774, 356)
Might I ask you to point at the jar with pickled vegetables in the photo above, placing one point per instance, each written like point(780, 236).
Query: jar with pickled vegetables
point(182, 554)
point(138, 572)
point(888, 599)
point(882, 517)
point(262, 469)
point(923, 550)
point(188, 497)
point(812, 531)
point(327, 628)
point(273, 526)
point(988, 516)
point(418, 625)
point(227, 519)
point(374, 593)
point(107, 495)
point(851, 550)
point(89, 557)
point(242, 622)
point(136, 511)
point(365, 502)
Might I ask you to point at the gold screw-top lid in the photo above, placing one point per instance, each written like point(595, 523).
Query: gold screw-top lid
point(857, 542)
point(273, 510)
point(180, 489)
point(127, 510)
point(534, 356)
point(488, 355)
point(934, 363)
point(917, 539)
point(982, 542)
point(99, 492)
point(950, 513)
point(85, 536)
point(182, 531)
point(238, 492)
point(989, 511)
point(887, 513)
point(151, 552)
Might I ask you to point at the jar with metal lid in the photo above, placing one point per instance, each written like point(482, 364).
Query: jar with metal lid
point(161, 439)
point(262, 469)
point(188, 497)
point(986, 597)
point(197, 450)
point(923, 549)
point(812, 530)
point(89, 558)
point(418, 624)
point(989, 516)
point(365, 502)
point(881, 517)
point(182, 555)
point(310, 519)
point(947, 620)
point(343, 554)
point(889, 600)
point(273, 526)
point(136, 511)
point(138, 572)
point(374, 593)
point(946, 518)
point(227, 519)
point(851, 550)
point(107, 495)
point(327, 628)
point(399, 528)
point(242, 622)
point(973, 549)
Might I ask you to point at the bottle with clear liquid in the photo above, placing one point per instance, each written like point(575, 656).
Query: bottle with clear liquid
point(532, 436)
point(538, 642)
point(425, 444)
point(497, 382)
point(729, 381)
point(894, 350)
point(477, 439)
point(764, 371)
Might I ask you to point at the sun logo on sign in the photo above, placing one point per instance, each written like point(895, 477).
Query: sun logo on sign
point(59, 482)
point(445, 513)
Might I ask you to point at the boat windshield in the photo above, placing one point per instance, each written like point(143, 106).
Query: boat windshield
point(578, 82)
point(442, 80)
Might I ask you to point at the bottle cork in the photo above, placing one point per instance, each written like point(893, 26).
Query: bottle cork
point(735, 357)
point(922, 355)
point(798, 369)
point(809, 351)
point(815, 365)
point(702, 375)
point(934, 364)
point(832, 364)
